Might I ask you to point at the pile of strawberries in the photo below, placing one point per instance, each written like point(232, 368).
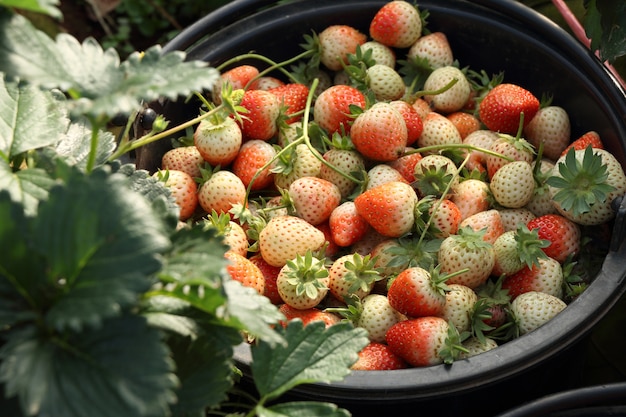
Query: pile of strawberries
point(378, 181)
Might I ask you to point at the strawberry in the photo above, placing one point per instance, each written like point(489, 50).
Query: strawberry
point(419, 341)
point(296, 163)
point(417, 292)
point(459, 304)
point(405, 165)
point(183, 158)
point(382, 173)
point(330, 248)
point(379, 133)
point(438, 130)
point(482, 139)
point(232, 233)
point(218, 139)
point(284, 237)
point(384, 258)
point(346, 224)
point(501, 108)
point(466, 123)
point(517, 248)
point(562, 234)
point(220, 190)
point(336, 42)
point(308, 315)
point(489, 220)
point(445, 218)
point(262, 111)
point(314, 198)
point(435, 175)
point(332, 107)
point(422, 107)
point(513, 185)
point(292, 97)
point(265, 83)
point(453, 98)
point(513, 218)
point(467, 249)
point(241, 269)
point(546, 276)
point(388, 208)
point(385, 82)
point(412, 120)
point(342, 160)
point(516, 149)
point(270, 273)
point(368, 242)
point(434, 48)
point(378, 357)
point(397, 24)
point(183, 189)
point(377, 316)
point(475, 346)
point(254, 155)
point(541, 201)
point(582, 142)
point(470, 196)
point(352, 275)
point(380, 54)
point(550, 127)
point(584, 184)
point(238, 77)
point(303, 281)
point(533, 309)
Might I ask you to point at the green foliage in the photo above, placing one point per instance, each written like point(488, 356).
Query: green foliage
point(605, 24)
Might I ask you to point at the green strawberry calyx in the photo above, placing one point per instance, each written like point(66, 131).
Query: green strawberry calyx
point(580, 183)
point(306, 273)
point(361, 273)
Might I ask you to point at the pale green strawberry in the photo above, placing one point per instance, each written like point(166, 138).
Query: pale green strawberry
point(352, 275)
point(541, 202)
point(348, 161)
point(302, 282)
point(438, 130)
point(377, 316)
point(297, 164)
point(382, 173)
point(435, 175)
point(516, 149)
point(385, 82)
point(534, 309)
point(460, 301)
point(452, 99)
point(466, 250)
point(512, 218)
point(513, 185)
point(475, 346)
point(285, 237)
point(434, 48)
point(516, 249)
point(551, 127)
point(381, 54)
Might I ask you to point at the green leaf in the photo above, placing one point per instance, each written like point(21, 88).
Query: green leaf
point(302, 409)
point(39, 6)
point(605, 25)
point(122, 369)
point(29, 118)
point(94, 77)
point(27, 187)
point(74, 146)
point(101, 242)
point(313, 354)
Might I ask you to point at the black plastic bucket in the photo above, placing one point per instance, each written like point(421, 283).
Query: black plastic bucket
point(496, 35)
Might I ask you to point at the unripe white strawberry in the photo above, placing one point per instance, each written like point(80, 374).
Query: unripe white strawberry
point(438, 130)
point(460, 301)
point(455, 97)
point(285, 237)
point(381, 54)
point(513, 185)
point(303, 163)
point(433, 47)
point(377, 316)
point(221, 191)
point(382, 173)
point(471, 197)
point(336, 43)
point(385, 82)
point(550, 126)
point(512, 218)
point(345, 160)
point(383, 255)
point(302, 282)
point(476, 346)
point(541, 202)
point(218, 143)
point(467, 249)
point(517, 149)
point(434, 174)
point(482, 139)
point(533, 309)
point(352, 275)
point(314, 198)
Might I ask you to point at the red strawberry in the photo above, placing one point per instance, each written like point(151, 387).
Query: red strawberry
point(308, 315)
point(546, 276)
point(378, 357)
point(218, 140)
point(397, 24)
point(388, 208)
point(419, 341)
point(332, 107)
point(412, 120)
point(417, 293)
point(270, 273)
point(434, 48)
point(284, 237)
point(405, 165)
point(293, 97)
point(590, 138)
point(314, 198)
point(465, 123)
point(502, 106)
point(184, 190)
point(220, 191)
point(241, 269)
point(489, 220)
point(346, 225)
point(238, 77)
point(336, 43)
point(254, 155)
point(379, 133)
point(183, 158)
point(260, 120)
point(562, 233)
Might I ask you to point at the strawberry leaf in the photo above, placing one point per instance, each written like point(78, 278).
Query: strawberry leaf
point(121, 368)
point(95, 78)
point(27, 187)
point(605, 25)
point(313, 354)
